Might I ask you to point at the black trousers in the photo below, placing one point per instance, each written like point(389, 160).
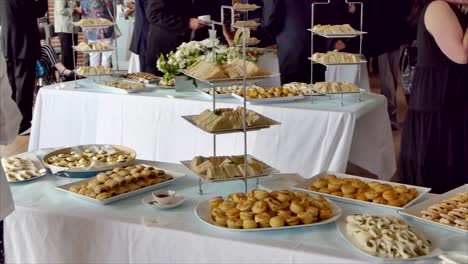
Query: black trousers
point(142, 62)
point(2, 249)
point(66, 43)
point(22, 74)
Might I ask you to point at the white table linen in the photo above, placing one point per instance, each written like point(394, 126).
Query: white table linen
point(312, 137)
point(53, 227)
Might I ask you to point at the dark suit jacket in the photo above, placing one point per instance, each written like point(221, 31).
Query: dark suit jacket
point(207, 7)
point(288, 21)
point(140, 31)
point(169, 26)
point(20, 34)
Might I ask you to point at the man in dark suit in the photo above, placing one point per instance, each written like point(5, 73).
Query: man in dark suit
point(288, 21)
point(171, 23)
point(140, 32)
point(21, 46)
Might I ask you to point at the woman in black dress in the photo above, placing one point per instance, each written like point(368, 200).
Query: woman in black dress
point(434, 147)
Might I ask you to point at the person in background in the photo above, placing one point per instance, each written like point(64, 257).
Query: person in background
point(391, 34)
point(288, 22)
point(434, 146)
point(21, 48)
point(140, 33)
point(171, 23)
point(99, 9)
point(10, 118)
point(51, 62)
point(66, 12)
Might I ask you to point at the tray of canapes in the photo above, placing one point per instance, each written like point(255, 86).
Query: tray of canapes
point(330, 88)
point(362, 191)
point(90, 71)
point(386, 237)
point(144, 77)
point(246, 24)
point(245, 7)
point(226, 73)
point(120, 183)
point(123, 87)
point(86, 161)
point(228, 120)
point(259, 210)
point(337, 58)
point(23, 167)
point(227, 168)
point(448, 211)
point(93, 23)
point(336, 31)
point(260, 95)
point(97, 46)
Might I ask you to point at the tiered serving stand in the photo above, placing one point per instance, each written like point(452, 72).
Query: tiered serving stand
point(359, 34)
point(114, 24)
point(245, 80)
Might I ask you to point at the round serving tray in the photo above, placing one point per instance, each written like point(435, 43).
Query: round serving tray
point(81, 173)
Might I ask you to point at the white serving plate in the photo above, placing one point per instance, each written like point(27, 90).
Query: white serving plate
point(233, 80)
point(246, 9)
point(341, 226)
point(93, 26)
point(64, 188)
point(283, 181)
point(338, 93)
point(414, 211)
point(339, 35)
point(268, 170)
point(122, 91)
point(341, 63)
point(304, 186)
point(146, 201)
point(92, 51)
point(270, 100)
point(35, 160)
point(190, 118)
point(218, 96)
point(203, 213)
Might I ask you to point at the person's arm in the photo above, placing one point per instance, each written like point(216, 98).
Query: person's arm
point(273, 16)
point(443, 24)
point(40, 8)
point(157, 14)
point(62, 9)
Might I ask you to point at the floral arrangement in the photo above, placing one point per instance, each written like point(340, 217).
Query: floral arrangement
point(189, 53)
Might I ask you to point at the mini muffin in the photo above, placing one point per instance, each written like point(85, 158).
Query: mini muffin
point(277, 221)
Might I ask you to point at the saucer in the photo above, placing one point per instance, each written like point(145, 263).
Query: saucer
point(149, 201)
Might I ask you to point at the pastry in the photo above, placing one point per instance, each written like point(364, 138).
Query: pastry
point(125, 85)
point(261, 209)
point(110, 183)
point(334, 87)
point(247, 23)
point(89, 158)
point(334, 57)
point(375, 192)
point(19, 169)
point(334, 29)
point(225, 167)
point(388, 237)
point(96, 22)
point(453, 211)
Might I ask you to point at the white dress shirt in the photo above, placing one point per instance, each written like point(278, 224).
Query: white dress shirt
point(10, 118)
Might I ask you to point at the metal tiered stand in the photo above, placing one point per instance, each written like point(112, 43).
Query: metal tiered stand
point(114, 24)
point(359, 33)
point(244, 81)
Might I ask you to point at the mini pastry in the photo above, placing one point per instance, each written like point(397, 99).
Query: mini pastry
point(215, 201)
point(313, 210)
point(262, 218)
point(307, 218)
point(259, 207)
point(350, 195)
point(233, 213)
point(320, 183)
point(348, 189)
point(246, 215)
point(296, 207)
point(249, 224)
point(226, 205)
point(221, 220)
point(277, 221)
point(390, 195)
point(325, 213)
point(235, 223)
point(293, 220)
point(245, 205)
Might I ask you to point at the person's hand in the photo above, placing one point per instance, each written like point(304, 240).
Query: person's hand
point(352, 8)
point(77, 10)
point(130, 5)
point(195, 24)
point(340, 45)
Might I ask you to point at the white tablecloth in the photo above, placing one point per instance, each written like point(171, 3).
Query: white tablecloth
point(53, 227)
point(312, 137)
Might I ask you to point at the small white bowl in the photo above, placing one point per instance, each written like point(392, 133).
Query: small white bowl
point(164, 197)
point(151, 202)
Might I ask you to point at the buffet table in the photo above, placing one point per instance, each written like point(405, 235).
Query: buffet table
point(49, 226)
point(312, 137)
